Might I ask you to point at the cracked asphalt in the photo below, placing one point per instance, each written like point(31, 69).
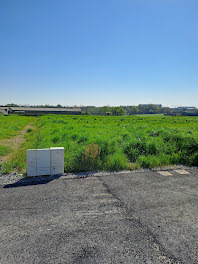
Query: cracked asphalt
point(141, 217)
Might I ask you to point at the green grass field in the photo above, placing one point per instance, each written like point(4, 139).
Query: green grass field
point(109, 143)
point(10, 125)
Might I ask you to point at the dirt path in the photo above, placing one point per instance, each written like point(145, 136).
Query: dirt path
point(14, 142)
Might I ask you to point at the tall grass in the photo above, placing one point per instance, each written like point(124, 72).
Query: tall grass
point(10, 125)
point(4, 150)
point(116, 143)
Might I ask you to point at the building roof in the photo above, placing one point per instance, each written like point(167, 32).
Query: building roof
point(3, 107)
point(45, 109)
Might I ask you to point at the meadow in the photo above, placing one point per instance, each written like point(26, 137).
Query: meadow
point(107, 143)
point(10, 125)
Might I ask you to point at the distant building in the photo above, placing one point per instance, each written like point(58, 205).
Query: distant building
point(185, 111)
point(34, 111)
point(183, 108)
point(4, 110)
point(190, 112)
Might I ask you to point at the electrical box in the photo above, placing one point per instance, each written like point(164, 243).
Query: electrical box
point(31, 162)
point(43, 158)
point(57, 170)
point(45, 161)
point(57, 156)
point(57, 160)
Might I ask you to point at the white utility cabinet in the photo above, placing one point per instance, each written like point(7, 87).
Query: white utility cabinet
point(57, 160)
point(31, 162)
point(45, 161)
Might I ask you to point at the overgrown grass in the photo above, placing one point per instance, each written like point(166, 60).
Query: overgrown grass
point(17, 160)
point(4, 150)
point(10, 125)
point(114, 143)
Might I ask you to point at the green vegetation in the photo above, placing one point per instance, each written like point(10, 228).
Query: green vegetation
point(10, 125)
point(29, 130)
point(125, 110)
point(112, 143)
point(4, 150)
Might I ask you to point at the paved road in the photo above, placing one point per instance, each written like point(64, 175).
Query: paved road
point(141, 217)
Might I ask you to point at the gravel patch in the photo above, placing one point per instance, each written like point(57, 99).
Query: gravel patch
point(10, 178)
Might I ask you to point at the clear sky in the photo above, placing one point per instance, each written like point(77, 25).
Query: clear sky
point(99, 52)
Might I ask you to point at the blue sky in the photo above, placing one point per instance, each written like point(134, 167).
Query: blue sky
point(99, 52)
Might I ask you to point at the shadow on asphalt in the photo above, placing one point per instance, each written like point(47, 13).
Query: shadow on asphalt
point(32, 181)
point(43, 179)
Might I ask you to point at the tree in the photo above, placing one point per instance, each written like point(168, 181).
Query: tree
point(133, 110)
point(118, 111)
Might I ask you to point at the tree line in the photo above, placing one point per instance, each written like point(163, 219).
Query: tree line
point(114, 110)
point(125, 110)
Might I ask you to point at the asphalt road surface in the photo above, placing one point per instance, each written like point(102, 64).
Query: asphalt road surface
point(141, 217)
